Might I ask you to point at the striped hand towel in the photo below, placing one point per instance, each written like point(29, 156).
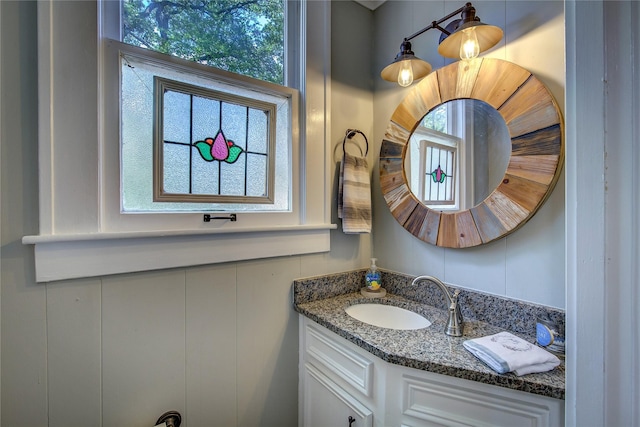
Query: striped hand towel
point(354, 195)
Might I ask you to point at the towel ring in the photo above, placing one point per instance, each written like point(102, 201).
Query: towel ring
point(349, 134)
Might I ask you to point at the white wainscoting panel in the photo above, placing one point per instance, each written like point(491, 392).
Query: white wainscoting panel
point(211, 346)
point(143, 339)
point(267, 352)
point(74, 353)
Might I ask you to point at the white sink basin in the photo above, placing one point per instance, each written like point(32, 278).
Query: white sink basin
point(387, 316)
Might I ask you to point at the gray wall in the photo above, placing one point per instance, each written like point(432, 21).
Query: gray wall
point(217, 343)
point(528, 264)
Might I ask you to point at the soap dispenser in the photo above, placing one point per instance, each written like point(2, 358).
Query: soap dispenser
point(373, 276)
point(373, 283)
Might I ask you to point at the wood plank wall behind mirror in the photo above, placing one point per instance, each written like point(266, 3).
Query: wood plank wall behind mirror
point(536, 130)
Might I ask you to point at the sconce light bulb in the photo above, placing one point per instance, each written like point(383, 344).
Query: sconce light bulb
point(405, 75)
point(469, 46)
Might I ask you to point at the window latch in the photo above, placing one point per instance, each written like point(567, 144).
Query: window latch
point(208, 217)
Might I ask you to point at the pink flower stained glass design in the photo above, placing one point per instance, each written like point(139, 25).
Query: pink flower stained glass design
point(218, 148)
point(438, 175)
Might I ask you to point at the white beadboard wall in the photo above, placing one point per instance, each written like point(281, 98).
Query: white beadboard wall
point(217, 343)
point(530, 263)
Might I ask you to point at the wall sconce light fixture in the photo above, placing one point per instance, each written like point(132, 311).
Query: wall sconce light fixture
point(462, 38)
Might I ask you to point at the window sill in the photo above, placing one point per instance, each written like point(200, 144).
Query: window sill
point(71, 256)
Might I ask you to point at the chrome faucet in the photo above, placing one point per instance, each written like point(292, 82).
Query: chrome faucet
point(454, 325)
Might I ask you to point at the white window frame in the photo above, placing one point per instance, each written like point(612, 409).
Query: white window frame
point(451, 171)
point(113, 52)
point(268, 111)
point(423, 136)
point(77, 238)
point(460, 134)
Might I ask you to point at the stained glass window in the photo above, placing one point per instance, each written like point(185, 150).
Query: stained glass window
point(175, 125)
point(223, 143)
point(434, 158)
point(212, 146)
point(439, 167)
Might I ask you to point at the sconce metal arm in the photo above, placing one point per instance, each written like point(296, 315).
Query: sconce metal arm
point(436, 24)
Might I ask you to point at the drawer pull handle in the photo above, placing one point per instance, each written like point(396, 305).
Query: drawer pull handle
point(351, 420)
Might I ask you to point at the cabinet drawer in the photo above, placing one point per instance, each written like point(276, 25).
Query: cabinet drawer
point(447, 401)
point(343, 362)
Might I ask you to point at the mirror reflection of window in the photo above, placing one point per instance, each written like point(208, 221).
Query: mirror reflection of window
point(436, 154)
point(473, 137)
point(438, 119)
point(437, 173)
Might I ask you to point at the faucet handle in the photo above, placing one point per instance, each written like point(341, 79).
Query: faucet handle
point(454, 297)
point(454, 301)
point(454, 325)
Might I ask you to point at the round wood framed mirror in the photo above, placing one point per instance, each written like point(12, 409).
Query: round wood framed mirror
point(535, 128)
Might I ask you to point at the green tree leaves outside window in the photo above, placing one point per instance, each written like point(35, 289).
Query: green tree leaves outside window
point(244, 37)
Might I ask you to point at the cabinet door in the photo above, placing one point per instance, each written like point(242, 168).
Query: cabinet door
point(326, 404)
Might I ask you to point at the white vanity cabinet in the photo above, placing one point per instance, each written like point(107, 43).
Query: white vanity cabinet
point(341, 382)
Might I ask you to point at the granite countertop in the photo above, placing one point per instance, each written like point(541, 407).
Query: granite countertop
point(429, 348)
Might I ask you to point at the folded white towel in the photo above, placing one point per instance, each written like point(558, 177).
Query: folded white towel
point(354, 195)
point(505, 352)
